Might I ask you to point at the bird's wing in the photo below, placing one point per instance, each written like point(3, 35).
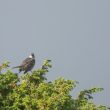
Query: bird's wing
point(29, 65)
point(26, 61)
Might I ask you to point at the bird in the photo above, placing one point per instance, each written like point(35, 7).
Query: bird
point(27, 64)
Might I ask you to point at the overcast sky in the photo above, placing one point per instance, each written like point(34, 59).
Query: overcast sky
point(74, 34)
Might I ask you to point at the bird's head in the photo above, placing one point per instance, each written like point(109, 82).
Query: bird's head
point(31, 55)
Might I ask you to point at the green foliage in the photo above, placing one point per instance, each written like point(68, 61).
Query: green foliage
point(32, 91)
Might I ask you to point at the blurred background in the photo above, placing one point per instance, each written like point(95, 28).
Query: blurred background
point(74, 34)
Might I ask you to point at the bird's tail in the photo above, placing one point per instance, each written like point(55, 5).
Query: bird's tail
point(16, 67)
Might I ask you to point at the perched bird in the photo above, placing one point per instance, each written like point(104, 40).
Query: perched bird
point(27, 64)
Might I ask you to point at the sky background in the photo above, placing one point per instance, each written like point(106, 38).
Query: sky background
point(74, 34)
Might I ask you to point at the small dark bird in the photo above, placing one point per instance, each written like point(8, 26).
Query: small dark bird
point(27, 64)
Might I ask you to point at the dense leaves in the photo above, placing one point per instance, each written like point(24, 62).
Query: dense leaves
point(32, 91)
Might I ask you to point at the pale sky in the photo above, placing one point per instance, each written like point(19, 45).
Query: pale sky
point(74, 34)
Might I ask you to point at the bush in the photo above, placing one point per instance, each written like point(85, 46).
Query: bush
point(32, 91)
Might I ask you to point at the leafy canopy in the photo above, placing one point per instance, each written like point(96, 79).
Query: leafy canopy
point(32, 91)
